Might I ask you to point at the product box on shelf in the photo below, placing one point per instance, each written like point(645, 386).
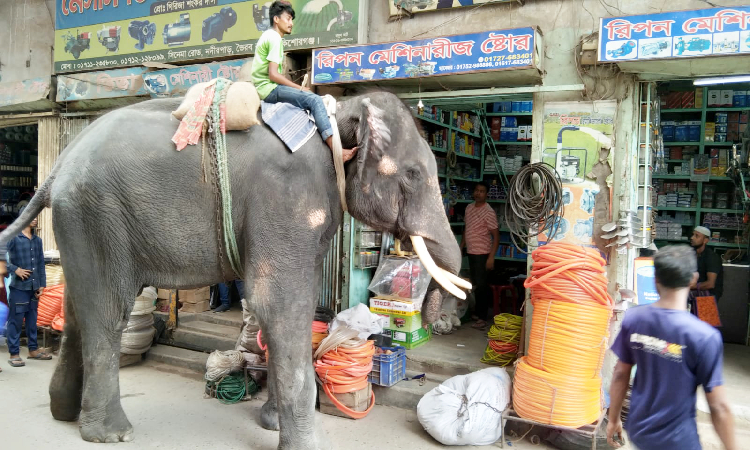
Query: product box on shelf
point(521, 133)
point(699, 98)
point(722, 117)
point(694, 131)
point(739, 100)
point(194, 295)
point(714, 98)
point(726, 97)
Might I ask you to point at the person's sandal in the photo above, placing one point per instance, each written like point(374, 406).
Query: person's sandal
point(16, 362)
point(41, 356)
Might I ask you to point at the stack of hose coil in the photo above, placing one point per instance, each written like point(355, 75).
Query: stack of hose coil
point(559, 381)
point(342, 362)
point(502, 340)
point(323, 318)
point(138, 334)
point(50, 305)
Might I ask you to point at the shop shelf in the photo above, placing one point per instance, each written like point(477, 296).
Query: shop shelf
point(681, 110)
point(428, 120)
point(464, 201)
point(460, 178)
point(670, 177)
point(672, 144)
point(512, 142)
point(725, 229)
point(717, 178)
point(742, 108)
point(458, 224)
point(719, 144)
point(674, 208)
point(677, 160)
point(497, 201)
point(509, 114)
point(717, 210)
point(686, 240)
point(505, 258)
point(388, 370)
point(727, 244)
point(438, 149)
point(465, 132)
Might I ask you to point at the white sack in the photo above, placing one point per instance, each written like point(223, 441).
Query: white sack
point(359, 318)
point(467, 409)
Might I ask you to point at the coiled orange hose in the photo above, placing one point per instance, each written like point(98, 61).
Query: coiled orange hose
point(50, 304)
point(319, 332)
point(559, 382)
point(343, 370)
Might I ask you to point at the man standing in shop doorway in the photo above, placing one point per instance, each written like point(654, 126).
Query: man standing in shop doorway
point(710, 269)
point(28, 280)
point(675, 352)
point(481, 238)
point(270, 82)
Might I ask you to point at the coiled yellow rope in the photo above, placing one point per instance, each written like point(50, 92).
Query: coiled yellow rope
point(503, 339)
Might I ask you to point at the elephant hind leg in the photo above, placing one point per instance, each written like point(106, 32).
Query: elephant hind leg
point(66, 387)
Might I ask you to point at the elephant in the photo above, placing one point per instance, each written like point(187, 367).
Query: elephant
point(130, 211)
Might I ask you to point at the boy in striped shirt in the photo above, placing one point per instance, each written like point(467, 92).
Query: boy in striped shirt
point(481, 239)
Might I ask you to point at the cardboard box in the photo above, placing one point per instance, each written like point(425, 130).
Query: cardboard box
point(162, 294)
point(403, 323)
point(714, 98)
point(358, 401)
point(194, 295)
point(699, 98)
point(381, 306)
point(404, 308)
point(522, 133)
point(196, 307)
point(411, 340)
point(726, 97)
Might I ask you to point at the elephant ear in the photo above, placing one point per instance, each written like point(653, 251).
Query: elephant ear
point(374, 138)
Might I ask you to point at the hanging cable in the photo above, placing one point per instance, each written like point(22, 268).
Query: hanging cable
point(534, 203)
point(503, 339)
point(559, 381)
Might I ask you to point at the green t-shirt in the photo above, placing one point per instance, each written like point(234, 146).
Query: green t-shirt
point(270, 48)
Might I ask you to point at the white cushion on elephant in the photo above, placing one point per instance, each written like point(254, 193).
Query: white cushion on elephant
point(243, 103)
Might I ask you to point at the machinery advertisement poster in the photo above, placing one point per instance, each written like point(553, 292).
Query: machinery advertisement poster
point(573, 132)
point(419, 6)
point(103, 34)
point(448, 55)
point(681, 34)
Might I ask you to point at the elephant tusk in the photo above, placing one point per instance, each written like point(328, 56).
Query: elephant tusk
point(458, 281)
point(437, 273)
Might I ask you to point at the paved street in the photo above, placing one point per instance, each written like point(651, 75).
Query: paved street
point(168, 411)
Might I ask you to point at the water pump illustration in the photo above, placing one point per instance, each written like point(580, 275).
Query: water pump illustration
point(215, 25)
point(78, 43)
point(142, 31)
point(109, 37)
point(260, 17)
point(177, 33)
point(624, 50)
point(654, 48)
point(342, 16)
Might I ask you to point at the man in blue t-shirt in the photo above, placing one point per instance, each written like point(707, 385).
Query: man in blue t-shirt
point(675, 352)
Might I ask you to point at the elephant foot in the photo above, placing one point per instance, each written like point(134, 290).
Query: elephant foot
point(269, 417)
point(65, 402)
point(110, 427)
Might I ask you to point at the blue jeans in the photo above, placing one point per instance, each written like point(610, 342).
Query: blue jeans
point(23, 305)
point(304, 100)
point(224, 291)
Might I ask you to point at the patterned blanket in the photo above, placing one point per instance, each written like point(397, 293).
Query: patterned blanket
point(294, 126)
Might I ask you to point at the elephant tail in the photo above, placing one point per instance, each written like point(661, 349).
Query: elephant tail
point(39, 201)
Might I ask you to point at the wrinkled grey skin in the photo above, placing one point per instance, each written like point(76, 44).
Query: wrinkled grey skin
point(129, 211)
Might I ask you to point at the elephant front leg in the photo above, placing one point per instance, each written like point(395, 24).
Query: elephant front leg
point(286, 317)
point(269, 413)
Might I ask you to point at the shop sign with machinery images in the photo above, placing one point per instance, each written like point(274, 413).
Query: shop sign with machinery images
point(420, 6)
point(680, 34)
point(176, 82)
point(104, 34)
point(448, 55)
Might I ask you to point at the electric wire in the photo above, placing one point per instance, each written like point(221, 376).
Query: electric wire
point(559, 381)
point(534, 203)
point(503, 338)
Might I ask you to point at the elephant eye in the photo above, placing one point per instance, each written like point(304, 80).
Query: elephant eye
point(413, 174)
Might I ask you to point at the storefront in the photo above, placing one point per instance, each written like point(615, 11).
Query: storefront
point(693, 68)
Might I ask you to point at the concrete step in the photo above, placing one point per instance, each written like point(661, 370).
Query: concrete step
point(229, 318)
point(179, 357)
point(213, 329)
point(199, 341)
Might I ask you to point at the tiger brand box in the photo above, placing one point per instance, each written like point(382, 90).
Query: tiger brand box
point(404, 308)
point(407, 324)
point(381, 305)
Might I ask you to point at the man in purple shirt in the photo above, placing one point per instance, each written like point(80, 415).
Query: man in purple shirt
point(675, 353)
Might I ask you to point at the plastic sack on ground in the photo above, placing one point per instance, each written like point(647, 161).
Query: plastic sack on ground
point(467, 409)
point(145, 303)
point(359, 318)
point(401, 278)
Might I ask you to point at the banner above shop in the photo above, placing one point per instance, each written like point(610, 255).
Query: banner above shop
point(104, 84)
point(176, 82)
point(449, 55)
point(102, 34)
point(26, 91)
point(420, 6)
point(680, 34)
